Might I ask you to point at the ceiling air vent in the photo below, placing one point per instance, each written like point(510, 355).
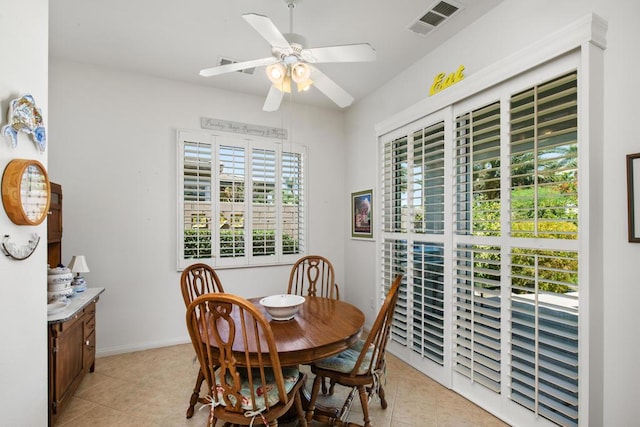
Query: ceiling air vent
point(434, 17)
point(225, 61)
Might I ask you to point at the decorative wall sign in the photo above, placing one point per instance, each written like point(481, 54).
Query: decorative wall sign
point(19, 253)
point(361, 214)
point(25, 117)
point(243, 128)
point(442, 81)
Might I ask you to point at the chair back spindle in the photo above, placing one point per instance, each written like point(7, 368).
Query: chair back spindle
point(313, 275)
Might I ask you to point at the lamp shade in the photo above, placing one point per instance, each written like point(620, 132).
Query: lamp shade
point(300, 72)
point(78, 264)
point(276, 72)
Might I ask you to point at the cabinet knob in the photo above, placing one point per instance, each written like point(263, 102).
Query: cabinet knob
point(87, 343)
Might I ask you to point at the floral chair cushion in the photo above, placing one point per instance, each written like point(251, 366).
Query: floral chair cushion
point(346, 361)
point(270, 391)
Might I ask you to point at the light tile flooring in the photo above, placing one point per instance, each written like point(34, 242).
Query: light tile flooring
point(152, 388)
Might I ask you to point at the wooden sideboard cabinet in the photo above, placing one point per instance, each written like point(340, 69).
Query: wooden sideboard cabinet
point(72, 348)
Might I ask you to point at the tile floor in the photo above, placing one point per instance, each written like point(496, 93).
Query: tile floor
point(152, 388)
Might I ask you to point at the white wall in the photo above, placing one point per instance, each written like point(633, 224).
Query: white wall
point(23, 316)
point(114, 138)
point(512, 26)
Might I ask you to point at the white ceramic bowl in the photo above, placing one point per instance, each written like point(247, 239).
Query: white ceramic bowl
point(58, 287)
point(59, 276)
point(282, 306)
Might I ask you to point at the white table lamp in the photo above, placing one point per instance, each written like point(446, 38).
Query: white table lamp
point(78, 265)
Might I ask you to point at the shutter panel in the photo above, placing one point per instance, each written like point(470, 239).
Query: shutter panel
point(544, 204)
point(197, 200)
point(264, 221)
point(231, 199)
point(544, 161)
point(394, 262)
point(477, 311)
point(292, 204)
point(477, 172)
point(428, 301)
point(394, 186)
point(544, 332)
point(428, 180)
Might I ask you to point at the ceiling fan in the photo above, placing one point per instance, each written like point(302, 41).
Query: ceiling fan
point(290, 62)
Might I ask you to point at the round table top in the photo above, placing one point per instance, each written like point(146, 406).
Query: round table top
point(321, 328)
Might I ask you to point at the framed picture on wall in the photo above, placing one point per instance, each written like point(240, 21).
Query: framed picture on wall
point(633, 196)
point(362, 214)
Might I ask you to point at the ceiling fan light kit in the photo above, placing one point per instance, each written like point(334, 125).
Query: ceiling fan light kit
point(289, 61)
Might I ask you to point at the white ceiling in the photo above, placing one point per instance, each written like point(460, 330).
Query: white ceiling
point(176, 39)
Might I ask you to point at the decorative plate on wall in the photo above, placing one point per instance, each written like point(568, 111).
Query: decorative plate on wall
point(25, 117)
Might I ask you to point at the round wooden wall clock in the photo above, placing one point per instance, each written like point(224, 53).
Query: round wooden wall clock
point(26, 192)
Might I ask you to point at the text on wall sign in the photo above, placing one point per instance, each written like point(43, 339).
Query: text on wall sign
point(442, 81)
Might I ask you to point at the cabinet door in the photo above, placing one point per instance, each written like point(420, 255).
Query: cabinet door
point(54, 227)
point(69, 357)
point(54, 222)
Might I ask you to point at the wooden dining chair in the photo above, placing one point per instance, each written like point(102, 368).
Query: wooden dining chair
point(361, 367)
point(239, 359)
point(313, 275)
point(198, 279)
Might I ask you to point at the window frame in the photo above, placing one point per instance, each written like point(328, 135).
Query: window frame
point(248, 144)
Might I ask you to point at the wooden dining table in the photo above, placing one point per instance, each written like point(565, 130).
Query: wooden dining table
point(321, 328)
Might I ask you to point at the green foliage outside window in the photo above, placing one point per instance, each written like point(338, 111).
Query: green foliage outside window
point(556, 218)
point(197, 243)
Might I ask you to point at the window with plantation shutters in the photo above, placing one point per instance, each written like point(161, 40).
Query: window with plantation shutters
point(241, 202)
point(480, 213)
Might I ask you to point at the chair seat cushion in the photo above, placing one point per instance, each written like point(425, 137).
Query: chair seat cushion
point(262, 392)
point(345, 361)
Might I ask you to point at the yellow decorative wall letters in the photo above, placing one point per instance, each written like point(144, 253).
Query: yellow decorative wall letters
point(441, 81)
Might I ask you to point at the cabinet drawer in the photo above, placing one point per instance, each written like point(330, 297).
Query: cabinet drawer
point(89, 325)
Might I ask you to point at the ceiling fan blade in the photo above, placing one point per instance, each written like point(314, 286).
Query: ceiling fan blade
point(237, 66)
point(267, 30)
point(346, 53)
point(274, 98)
point(327, 86)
